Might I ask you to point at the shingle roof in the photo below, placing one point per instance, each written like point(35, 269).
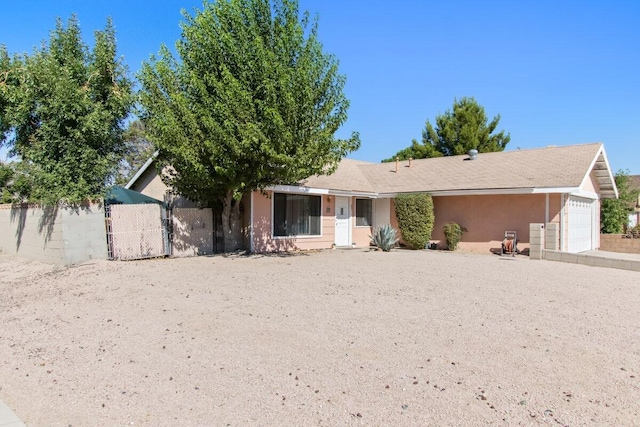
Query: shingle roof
point(634, 181)
point(551, 167)
point(348, 177)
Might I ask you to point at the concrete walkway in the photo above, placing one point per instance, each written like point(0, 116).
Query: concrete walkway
point(597, 258)
point(8, 418)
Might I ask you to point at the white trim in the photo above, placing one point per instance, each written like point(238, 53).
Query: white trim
point(593, 163)
point(349, 231)
point(141, 170)
point(296, 236)
point(251, 244)
point(555, 190)
point(546, 210)
point(357, 194)
point(585, 195)
point(297, 189)
point(563, 212)
point(503, 191)
point(355, 212)
point(480, 192)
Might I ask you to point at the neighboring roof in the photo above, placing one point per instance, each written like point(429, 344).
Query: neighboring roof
point(117, 195)
point(544, 168)
point(141, 170)
point(348, 177)
point(634, 181)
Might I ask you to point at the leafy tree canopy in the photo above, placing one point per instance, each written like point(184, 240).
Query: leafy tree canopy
point(614, 213)
point(457, 131)
point(62, 110)
point(15, 182)
point(137, 150)
point(252, 101)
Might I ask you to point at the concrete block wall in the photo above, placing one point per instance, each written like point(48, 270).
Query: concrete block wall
point(552, 237)
point(617, 243)
point(536, 240)
point(33, 233)
point(593, 260)
point(84, 234)
point(56, 235)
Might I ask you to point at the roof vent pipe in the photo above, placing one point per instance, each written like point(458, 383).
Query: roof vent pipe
point(410, 158)
point(473, 154)
point(397, 162)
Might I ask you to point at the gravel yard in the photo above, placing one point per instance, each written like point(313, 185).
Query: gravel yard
point(342, 337)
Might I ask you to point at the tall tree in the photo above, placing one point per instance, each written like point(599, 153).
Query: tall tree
point(137, 150)
point(457, 131)
point(15, 182)
point(253, 101)
point(614, 213)
point(62, 110)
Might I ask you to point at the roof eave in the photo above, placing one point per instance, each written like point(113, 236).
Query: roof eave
point(604, 175)
point(141, 170)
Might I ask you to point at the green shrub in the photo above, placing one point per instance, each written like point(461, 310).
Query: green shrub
point(385, 237)
point(415, 218)
point(452, 234)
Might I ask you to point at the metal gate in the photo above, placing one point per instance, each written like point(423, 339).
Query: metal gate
point(137, 231)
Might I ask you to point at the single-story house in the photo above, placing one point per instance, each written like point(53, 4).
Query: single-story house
point(487, 194)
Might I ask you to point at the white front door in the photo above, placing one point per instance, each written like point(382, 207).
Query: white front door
point(342, 221)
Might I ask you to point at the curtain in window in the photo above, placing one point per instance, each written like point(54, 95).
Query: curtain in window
point(363, 212)
point(296, 215)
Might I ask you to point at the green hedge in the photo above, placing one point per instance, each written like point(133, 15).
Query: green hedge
point(414, 213)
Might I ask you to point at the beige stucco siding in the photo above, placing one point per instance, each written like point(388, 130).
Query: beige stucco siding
point(591, 184)
point(360, 236)
point(263, 240)
point(486, 218)
point(150, 184)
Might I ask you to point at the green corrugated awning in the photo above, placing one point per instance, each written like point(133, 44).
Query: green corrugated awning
point(118, 195)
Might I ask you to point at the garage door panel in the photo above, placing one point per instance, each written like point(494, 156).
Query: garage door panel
point(580, 230)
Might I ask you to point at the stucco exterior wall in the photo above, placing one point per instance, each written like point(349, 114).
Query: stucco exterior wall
point(84, 234)
point(360, 235)
point(263, 240)
point(591, 184)
point(486, 218)
point(150, 184)
point(54, 235)
point(192, 232)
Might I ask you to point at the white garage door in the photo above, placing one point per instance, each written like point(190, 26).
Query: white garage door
point(581, 224)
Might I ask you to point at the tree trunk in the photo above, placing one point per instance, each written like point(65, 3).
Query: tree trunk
point(231, 223)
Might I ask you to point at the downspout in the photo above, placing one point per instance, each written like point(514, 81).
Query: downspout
point(562, 219)
point(251, 245)
point(546, 210)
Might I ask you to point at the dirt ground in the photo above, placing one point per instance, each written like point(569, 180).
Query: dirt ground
point(332, 338)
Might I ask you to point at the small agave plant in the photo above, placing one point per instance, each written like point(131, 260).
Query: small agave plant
point(385, 237)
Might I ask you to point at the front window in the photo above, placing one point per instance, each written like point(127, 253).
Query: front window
point(363, 212)
point(296, 215)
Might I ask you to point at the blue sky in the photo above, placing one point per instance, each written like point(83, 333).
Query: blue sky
point(558, 72)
